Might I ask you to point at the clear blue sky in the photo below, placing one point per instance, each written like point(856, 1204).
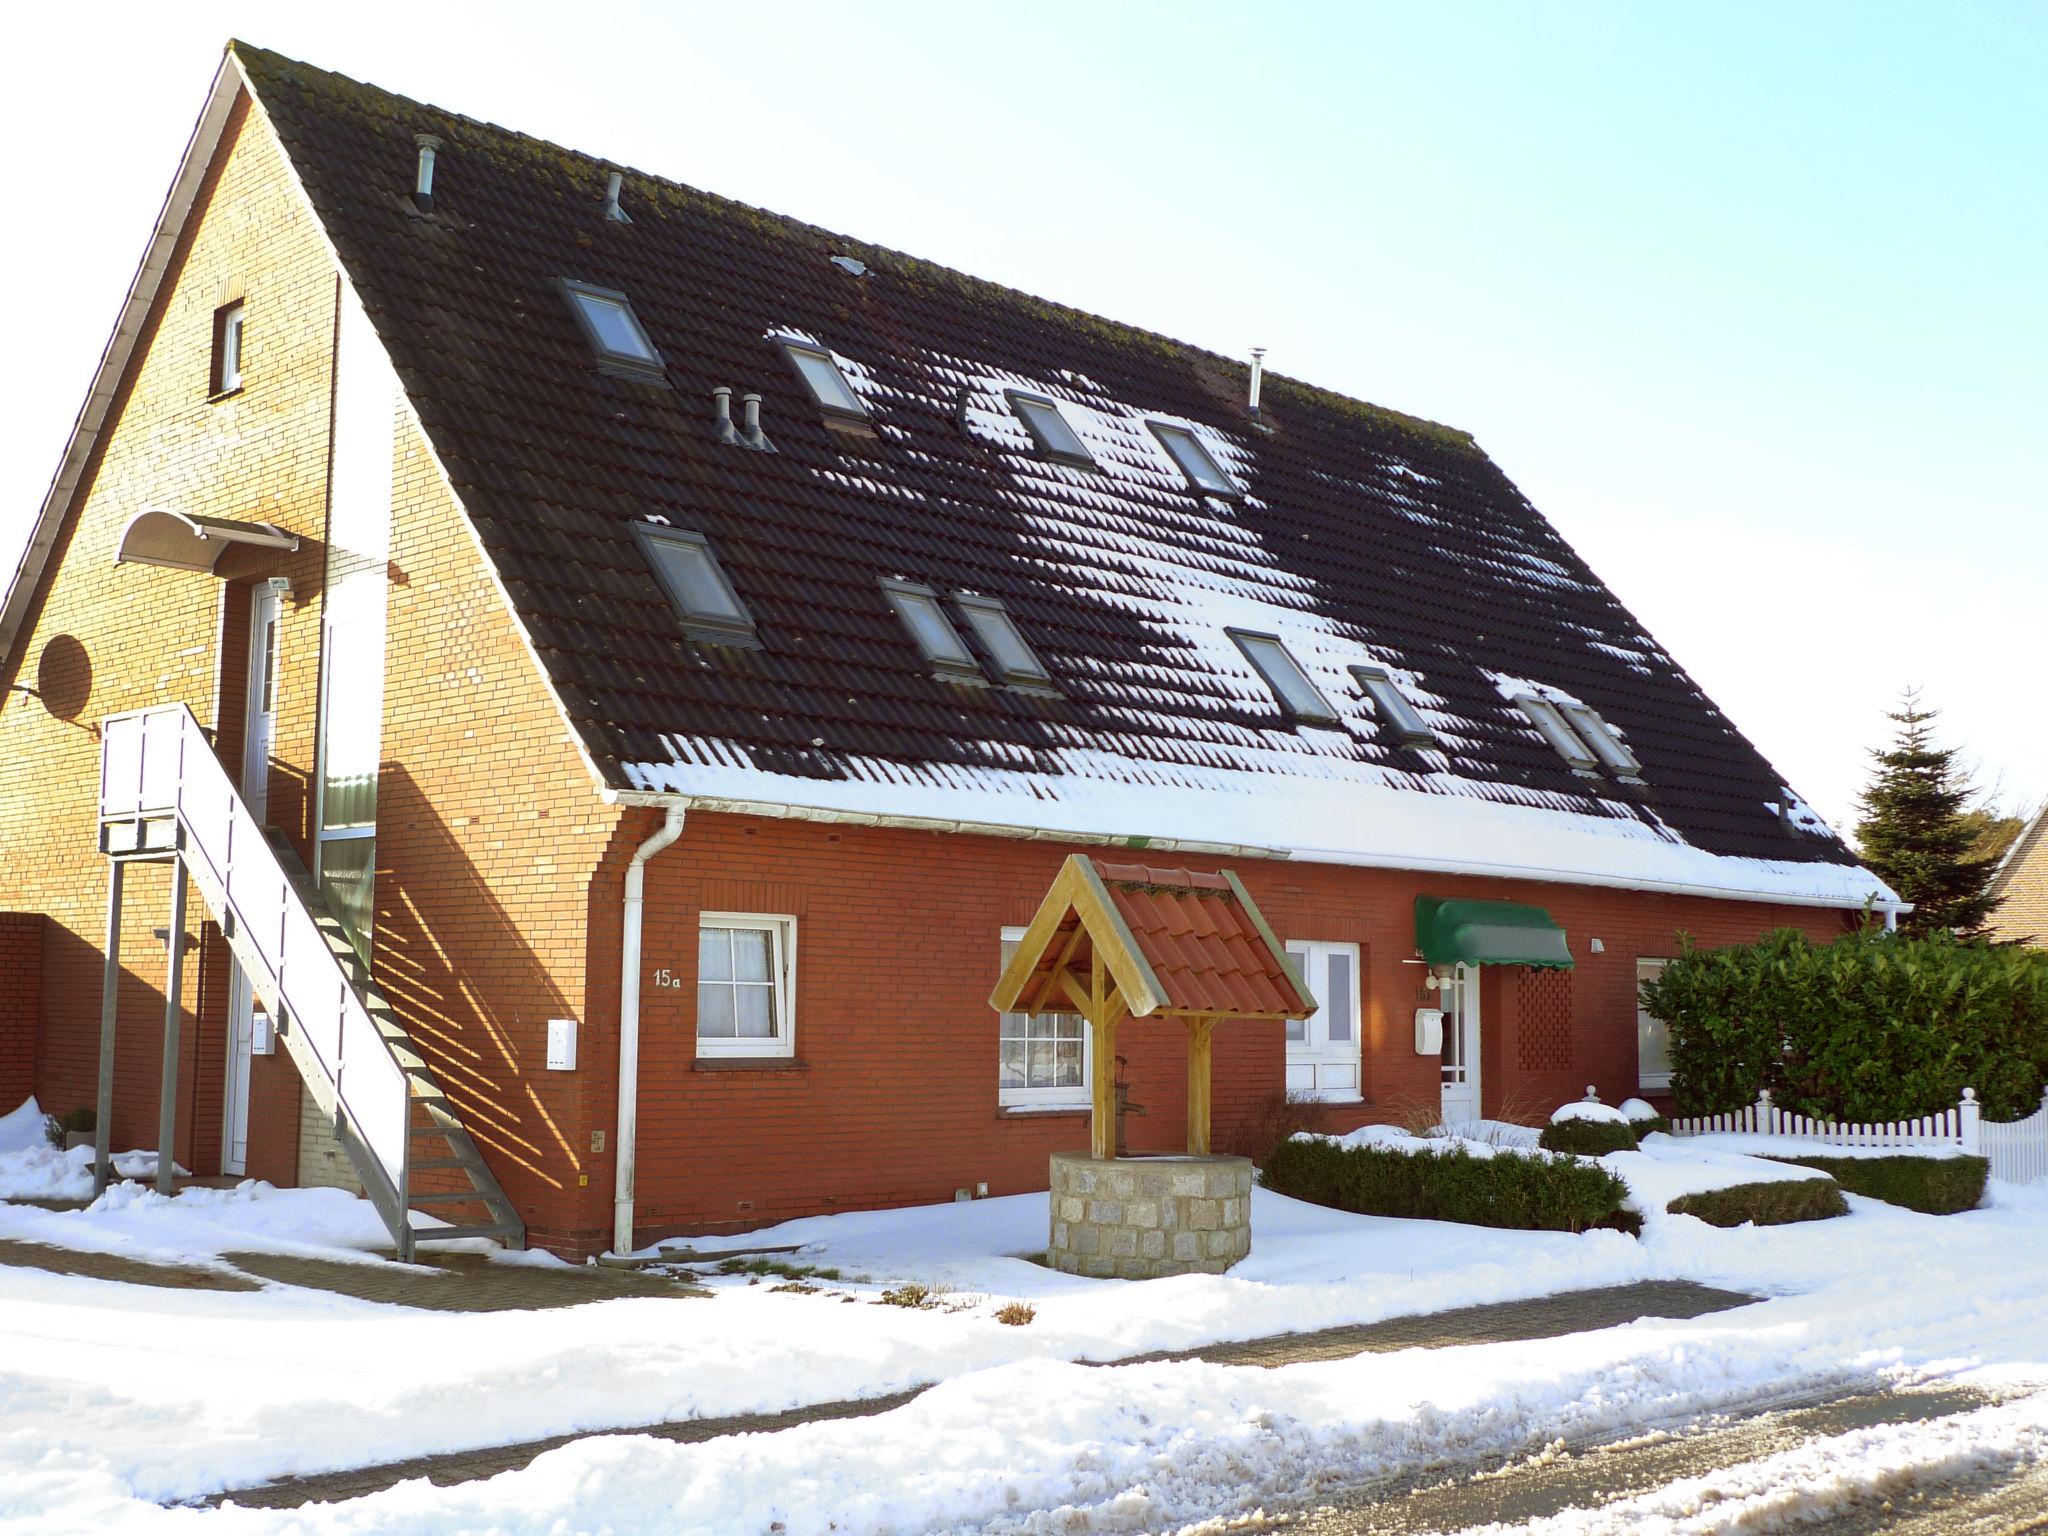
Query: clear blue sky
point(1748, 298)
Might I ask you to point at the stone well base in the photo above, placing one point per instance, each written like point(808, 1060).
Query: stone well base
point(1139, 1217)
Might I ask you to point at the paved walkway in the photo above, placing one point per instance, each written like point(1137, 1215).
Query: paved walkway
point(1545, 1317)
point(111, 1266)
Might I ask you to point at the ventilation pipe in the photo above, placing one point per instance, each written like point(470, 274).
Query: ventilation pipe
point(423, 181)
point(612, 210)
point(750, 421)
point(721, 413)
point(1258, 377)
point(629, 1030)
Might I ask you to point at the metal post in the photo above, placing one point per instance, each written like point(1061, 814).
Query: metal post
point(174, 1007)
point(110, 994)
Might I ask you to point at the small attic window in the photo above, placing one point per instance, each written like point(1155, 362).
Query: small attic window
point(999, 636)
point(225, 376)
point(918, 607)
point(827, 384)
point(1203, 472)
point(696, 584)
point(1283, 674)
point(613, 330)
point(1050, 430)
point(1551, 726)
point(1393, 708)
point(1613, 753)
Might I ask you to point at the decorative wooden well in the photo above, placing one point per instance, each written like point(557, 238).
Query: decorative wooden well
point(1117, 941)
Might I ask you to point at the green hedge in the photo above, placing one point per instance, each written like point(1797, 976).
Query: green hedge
point(1768, 1205)
point(1871, 1027)
point(1940, 1186)
point(1587, 1138)
point(1550, 1194)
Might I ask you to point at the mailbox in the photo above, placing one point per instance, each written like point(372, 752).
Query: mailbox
point(561, 1045)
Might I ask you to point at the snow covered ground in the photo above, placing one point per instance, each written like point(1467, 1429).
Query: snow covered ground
point(113, 1397)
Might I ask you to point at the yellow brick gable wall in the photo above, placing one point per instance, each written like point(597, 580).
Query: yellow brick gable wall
point(2023, 883)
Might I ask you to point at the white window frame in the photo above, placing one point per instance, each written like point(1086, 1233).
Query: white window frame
point(1325, 1072)
point(1070, 1097)
point(1648, 968)
point(230, 324)
point(781, 928)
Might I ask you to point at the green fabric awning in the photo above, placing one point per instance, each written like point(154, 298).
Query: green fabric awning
point(1449, 931)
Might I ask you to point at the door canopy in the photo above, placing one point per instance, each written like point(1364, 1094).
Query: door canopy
point(1450, 931)
point(184, 541)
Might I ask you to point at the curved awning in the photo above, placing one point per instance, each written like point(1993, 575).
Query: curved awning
point(1450, 931)
point(187, 542)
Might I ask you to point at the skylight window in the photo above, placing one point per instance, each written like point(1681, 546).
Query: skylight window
point(1551, 725)
point(613, 330)
point(1203, 472)
point(1283, 674)
point(827, 384)
point(1393, 707)
point(1050, 430)
point(1613, 753)
point(697, 585)
point(918, 606)
point(999, 636)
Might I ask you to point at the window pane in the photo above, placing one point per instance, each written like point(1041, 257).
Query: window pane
point(354, 709)
point(928, 626)
point(1194, 460)
point(615, 328)
point(1067, 1064)
point(347, 868)
point(756, 1010)
point(1010, 1068)
point(750, 953)
point(1051, 427)
point(1041, 1064)
point(1338, 1011)
point(714, 1011)
point(1297, 1029)
point(1596, 734)
point(1284, 676)
point(1392, 704)
point(826, 381)
point(1564, 741)
point(999, 633)
point(693, 576)
point(714, 954)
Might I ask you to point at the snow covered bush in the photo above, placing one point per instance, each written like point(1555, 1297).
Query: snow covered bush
point(1643, 1117)
point(1871, 1027)
point(1532, 1192)
point(1588, 1128)
point(1939, 1186)
point(1764, 1205)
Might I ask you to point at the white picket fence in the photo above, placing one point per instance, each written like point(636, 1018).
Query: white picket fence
point(2018, 1149)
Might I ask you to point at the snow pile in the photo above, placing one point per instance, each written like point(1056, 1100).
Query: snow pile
point(1588, 1109)
point(23, 1128)
point(43, 1172)
point(1762, 1145)
point(1633, 1110)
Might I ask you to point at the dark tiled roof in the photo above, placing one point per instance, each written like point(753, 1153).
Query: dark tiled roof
point(1201, 943)
point(1374, 535)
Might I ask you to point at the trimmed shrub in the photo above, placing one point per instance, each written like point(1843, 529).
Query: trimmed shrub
point(1872, 1027)
point(1643, 1117)
point(1768, 1205)
point(1588, 1138)
point(1940, 1186)
point(1547, 1194)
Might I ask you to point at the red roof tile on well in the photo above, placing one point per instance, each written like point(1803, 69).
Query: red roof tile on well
point(1196, 936)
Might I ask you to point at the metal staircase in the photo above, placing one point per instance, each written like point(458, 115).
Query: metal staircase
point(164, 795)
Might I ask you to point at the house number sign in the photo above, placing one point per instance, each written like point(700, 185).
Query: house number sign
point(665, 977)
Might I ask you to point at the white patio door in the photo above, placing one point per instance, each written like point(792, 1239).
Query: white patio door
point(1322, 1050)
point(259, 731)
point(1458, 996)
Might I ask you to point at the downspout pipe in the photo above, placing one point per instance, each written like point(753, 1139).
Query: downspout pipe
point(624, 1147)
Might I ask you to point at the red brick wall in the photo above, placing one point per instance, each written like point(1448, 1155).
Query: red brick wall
point(893, 1095)
point(21, 978)
point(107, 637)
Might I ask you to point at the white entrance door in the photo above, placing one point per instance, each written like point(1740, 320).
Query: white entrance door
point(1322, 1050)
point(1458, 996)
point(258, 731)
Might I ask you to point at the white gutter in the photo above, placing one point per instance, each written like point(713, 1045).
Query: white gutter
point(629, 1028)
point(1465, 868)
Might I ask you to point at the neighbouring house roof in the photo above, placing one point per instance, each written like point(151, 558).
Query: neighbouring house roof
point(1359, 537)
point(1174, 943)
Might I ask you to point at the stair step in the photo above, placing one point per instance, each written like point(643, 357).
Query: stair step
point(423, 1164)
point(445, 1197)
point(444, 1234)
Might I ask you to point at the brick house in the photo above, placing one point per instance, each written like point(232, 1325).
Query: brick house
point(2021, 886)
point(668, 644)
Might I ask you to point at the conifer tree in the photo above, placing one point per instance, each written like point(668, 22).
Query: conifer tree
point(1917, 834)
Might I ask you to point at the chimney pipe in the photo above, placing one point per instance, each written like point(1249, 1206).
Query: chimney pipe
point(423, 184)
point(750, 421)
point(721, 412)
point(612, 210)
point(1258, 376)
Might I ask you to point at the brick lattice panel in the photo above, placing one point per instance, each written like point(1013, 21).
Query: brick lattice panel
point(1543, 1042)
